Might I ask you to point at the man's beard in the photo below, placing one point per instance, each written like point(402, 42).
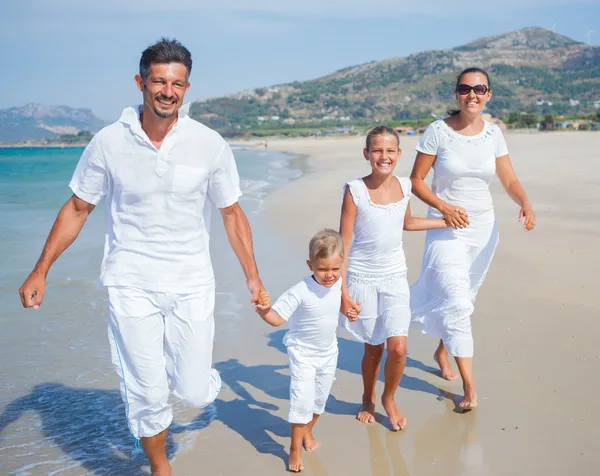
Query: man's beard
point(162, 114)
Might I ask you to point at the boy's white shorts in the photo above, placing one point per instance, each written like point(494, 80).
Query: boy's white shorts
point(312, 374)
point(161, 342)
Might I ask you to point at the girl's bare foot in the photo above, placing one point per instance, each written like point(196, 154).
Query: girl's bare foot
point(469, 401)
point(397, 420)
point(366, 414)
point(441, 357)
point(295, 464)
point(163, 470)
point(310, 444)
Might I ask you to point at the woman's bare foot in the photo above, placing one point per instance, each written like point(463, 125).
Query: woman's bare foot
point(469, 401)
point(366, 414)
point(295, 464)
point(397, 420)
point(310, 444)
point(441, 357)
point(163, 470)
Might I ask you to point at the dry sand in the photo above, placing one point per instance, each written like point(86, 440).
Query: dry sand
point(536, 325)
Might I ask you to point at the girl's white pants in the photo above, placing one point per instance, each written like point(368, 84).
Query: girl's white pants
point(161, 342)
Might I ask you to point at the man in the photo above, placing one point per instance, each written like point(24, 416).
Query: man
point(156, 167)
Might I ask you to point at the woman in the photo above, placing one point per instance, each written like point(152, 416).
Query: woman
point(465, 151)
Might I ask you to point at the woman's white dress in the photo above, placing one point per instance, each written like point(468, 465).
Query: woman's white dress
point(377, 267)
point(455, 261)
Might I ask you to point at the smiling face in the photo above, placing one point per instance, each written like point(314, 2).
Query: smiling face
point(326, 271)
point(164, 88)
point(383, 154)
point(473, 104)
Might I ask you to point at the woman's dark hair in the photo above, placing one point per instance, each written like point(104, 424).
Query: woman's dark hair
point(454, 112)
point(164, 52)
point(381, 131)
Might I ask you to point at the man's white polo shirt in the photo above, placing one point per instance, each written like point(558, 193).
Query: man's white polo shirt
point(156, 234)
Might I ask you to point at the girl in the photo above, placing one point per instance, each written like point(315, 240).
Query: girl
point(375, 210)
point(465, 152)
point(312, 306)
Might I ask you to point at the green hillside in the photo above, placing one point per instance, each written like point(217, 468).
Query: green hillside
point(533, 70)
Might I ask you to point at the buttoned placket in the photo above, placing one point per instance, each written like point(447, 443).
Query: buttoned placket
point(162, 163)
point(162, 156)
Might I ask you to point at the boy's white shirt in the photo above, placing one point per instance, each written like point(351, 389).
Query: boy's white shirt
point(313, 314)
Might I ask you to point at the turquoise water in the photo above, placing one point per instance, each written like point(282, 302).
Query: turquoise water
point(60, 409)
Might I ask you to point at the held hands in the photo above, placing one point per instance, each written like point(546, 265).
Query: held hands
point(33, 289)
point(455, 217)
point(263, 305)
point(349, 308)
point(529, 217)
point(255, 287)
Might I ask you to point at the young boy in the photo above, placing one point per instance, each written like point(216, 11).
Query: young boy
point(312, 306)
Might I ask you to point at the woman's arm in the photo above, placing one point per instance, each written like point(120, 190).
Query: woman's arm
point(514, 189)
point(412, 223)
point(456, 217)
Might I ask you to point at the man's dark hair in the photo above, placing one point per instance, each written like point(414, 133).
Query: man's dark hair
point(163, 52)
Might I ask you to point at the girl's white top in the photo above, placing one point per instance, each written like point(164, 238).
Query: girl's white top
point(313, 312)
point(377, 245)
point(465, 165)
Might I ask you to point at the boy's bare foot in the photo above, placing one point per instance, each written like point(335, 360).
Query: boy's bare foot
point(442, 360)
point(295, 464)
point(366, 414)
point(163, 470)
point(310, 444)
point(397, 420)
point(469, 401)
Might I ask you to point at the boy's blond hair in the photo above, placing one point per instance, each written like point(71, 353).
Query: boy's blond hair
point(325, 244)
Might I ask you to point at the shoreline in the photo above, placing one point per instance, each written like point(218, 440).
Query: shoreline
point(258, 143)
point(43, 146)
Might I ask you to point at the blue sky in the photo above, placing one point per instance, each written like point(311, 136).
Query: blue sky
point(84, 53)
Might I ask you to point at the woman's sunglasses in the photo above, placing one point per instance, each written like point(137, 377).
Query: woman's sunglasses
point(464, 89)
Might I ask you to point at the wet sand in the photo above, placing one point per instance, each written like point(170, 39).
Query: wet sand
point(536, 326)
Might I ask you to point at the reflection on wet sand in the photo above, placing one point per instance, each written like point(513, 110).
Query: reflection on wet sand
point(381, 456)
point(449, 444)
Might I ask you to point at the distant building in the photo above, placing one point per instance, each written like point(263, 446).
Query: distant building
point(404, 129)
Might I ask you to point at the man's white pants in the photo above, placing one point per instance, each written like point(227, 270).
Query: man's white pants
point(161, 341)
point(312, 374)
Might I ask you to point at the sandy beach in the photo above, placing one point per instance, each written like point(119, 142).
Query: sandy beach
point(536, 326)
point(536, 352)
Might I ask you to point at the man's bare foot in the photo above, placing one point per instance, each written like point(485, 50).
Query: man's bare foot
point(397, 420)
point(366, 414)
point(295, 464)
point(442, 360)
point(310, 444)
point(162, 470)
point(469, 401)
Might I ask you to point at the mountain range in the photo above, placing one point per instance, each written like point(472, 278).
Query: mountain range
point(37, 122)
point(531, 69)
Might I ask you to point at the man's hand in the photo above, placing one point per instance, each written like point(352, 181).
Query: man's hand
point(255, 287)
point(264, 303)
point(33, 289)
